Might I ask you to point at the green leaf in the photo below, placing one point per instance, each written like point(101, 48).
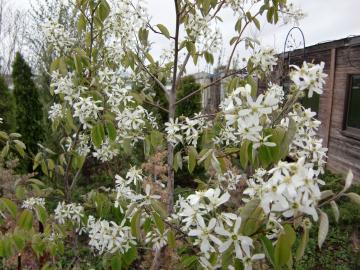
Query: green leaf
point(265, 156)
point(326, 194)
point(4, 135)
point(268, 248)
point(159, 222)
point(177, 161)
point(164, 30)
point(188, 261)
point(41, 214)
point(116, 262)
point(303, 243)
point(256, 22)
point(38, 245)
point(209, 58)
point(244, 154)
point(354, 197)
point(36, 182)
point(97, 135)
point(238, 27)
point(5, 150)
point(81, 24)
point(348, 181)
point(20, 150)
point(159, 208)
point(171, 239)
point(335, 210)
point(323, 228)
point(19, 241)
point(283, 246)
point(135, 224)
point(288, 138)
point(192, 158)
point(190, 46)
point(129, 257)
point(25, 221)
point(103, 10)
point(10, 206)
point(156, 138)
point(247, 210)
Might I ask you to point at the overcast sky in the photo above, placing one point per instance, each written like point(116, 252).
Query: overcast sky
point(326, 20)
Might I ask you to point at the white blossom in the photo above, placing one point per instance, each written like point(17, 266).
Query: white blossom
point(32, 202)
point(134, 175)
point(265, 59)
point(56, 111)
point(310, 77)
point(87, 109)
point(107, 151)
point(241, 243)
point(69, 212)
point(108, 236)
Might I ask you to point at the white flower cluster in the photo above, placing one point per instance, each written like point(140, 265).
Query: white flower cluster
point(265, 59)
point(56, 112)
point(56, 35)
point(310, 77)
point(125, 19)
point(187, 132)
point(292, 14)
point(246, 117)
point(69, 212)
point(199, 29)
point(1, 120)
point(290, 189)
point(237, 5)
point(87, 109)
point(65, 87)
point(229, 180)
point(157, 238)
point(134, 175)
point(107, 151)
point(131, 122)
point(32, 202)
point(213, 230)
point(306, 143)
point(83, 147)
point(108, 236)
point(125, 191)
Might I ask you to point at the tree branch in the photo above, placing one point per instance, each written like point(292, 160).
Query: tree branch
point(162, 86)
point(155, 105)
point(207, 86)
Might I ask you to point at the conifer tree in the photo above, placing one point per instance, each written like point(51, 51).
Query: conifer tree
point(6, 106)
point(28, 105)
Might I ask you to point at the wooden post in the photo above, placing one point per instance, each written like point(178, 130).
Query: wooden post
point(330, 99)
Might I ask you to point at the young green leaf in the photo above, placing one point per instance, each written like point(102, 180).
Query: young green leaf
point(323, 228)
point(25, 221)
point(164, 30)
point(335, 210)
point(10, 206)
point(192, 158)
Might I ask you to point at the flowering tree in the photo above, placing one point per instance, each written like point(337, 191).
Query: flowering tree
point(261, 150)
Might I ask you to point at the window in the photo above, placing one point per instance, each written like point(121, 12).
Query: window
point(352, 121)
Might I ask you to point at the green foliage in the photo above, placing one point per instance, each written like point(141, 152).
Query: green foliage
point(188, 85)
point(28, 106)
point(6, 107)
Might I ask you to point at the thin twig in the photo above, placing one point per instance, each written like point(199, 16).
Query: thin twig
point(157, 106)
point(207, 86)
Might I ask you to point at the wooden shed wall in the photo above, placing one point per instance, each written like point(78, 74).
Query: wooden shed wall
point(343, 150)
